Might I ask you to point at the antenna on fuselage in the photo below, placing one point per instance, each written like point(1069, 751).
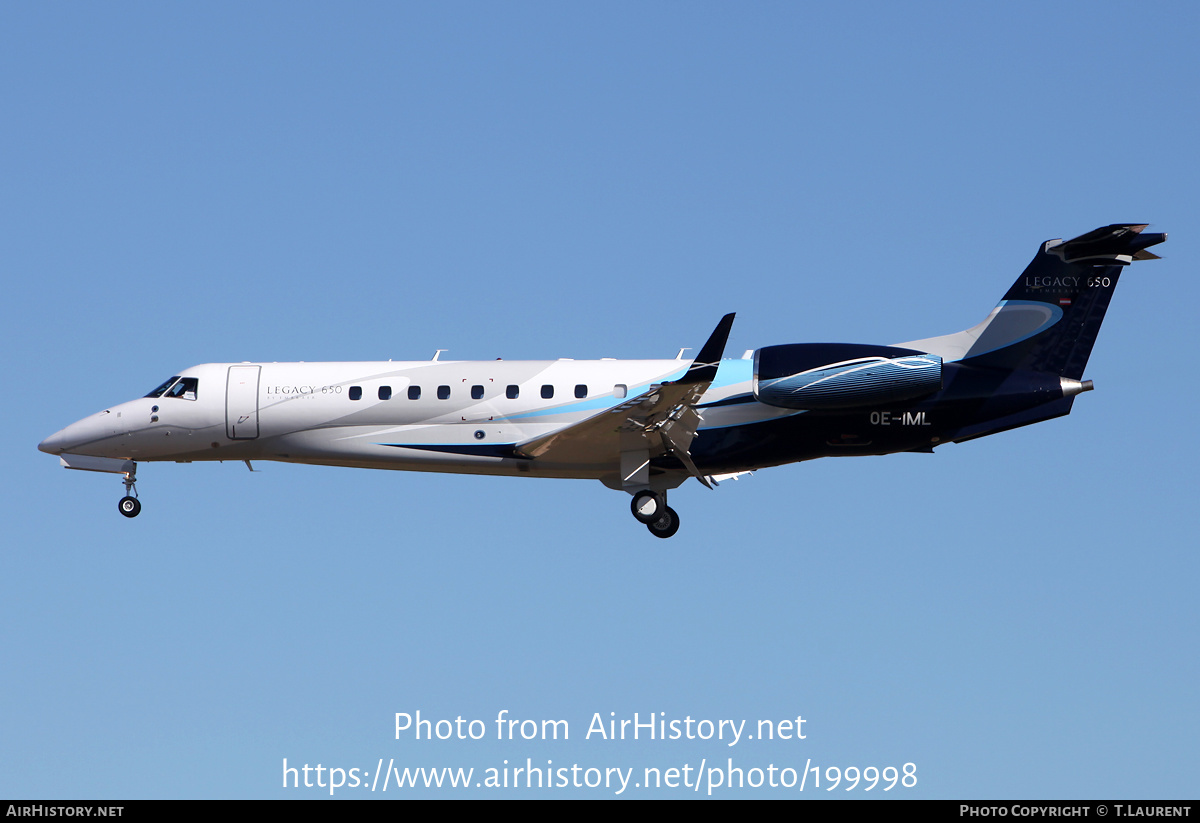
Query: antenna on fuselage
point(681, 351)
point(438, 354)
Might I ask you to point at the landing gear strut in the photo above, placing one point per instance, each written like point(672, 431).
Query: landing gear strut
point(129, 505)
point(650, 507)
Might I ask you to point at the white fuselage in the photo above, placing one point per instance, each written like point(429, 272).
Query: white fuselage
point(450, 416)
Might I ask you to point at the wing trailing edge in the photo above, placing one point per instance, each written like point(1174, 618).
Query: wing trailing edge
point(662, 420)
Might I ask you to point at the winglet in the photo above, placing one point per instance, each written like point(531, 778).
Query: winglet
point(704, 367)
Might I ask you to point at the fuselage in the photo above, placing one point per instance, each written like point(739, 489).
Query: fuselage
point(453, 416)
point(467, 416)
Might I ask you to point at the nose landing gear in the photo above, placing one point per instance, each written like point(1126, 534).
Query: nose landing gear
point(129, 505)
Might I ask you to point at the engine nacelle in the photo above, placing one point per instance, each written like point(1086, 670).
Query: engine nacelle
point(842, 375)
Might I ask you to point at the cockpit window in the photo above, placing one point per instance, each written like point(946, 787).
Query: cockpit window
point(185, 388)
point(177, 386)
point(159, 391)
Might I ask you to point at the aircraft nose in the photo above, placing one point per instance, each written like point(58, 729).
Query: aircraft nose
point(77, 437)
point(54, 444)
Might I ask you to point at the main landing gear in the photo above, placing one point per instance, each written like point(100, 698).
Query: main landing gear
point(651, 508)
point(129, 505)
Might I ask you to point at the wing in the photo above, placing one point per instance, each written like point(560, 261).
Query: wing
point(661, 420)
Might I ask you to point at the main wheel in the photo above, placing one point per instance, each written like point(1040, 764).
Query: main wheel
point(129, 506)
point(647, 506)
point(666, 525)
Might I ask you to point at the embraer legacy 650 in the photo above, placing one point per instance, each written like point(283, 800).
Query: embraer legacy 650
point(640, 426)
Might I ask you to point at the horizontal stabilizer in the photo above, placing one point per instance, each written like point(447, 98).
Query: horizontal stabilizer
point(1116, 241)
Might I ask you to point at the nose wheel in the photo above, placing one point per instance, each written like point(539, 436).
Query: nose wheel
point(129, 505)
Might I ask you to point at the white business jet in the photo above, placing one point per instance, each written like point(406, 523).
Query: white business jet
point(640, 426)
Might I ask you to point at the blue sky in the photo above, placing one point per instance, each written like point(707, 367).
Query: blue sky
point(228, 182)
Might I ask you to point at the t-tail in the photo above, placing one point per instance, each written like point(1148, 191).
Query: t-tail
point(1048, 321)
point(1028, 356)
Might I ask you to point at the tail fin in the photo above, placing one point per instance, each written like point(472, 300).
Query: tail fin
point(1049, 319)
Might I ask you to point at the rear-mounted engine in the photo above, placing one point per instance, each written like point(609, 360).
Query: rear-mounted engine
point(842, 375)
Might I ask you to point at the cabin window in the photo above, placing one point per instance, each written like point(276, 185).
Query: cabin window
point(620, 390)
point(512, 392)
point(185, 388)
point(477, 392)
point(356, 392)
point(547, 392)
point(385, 392)
point(443, 392)
point(414, 392)
point(159, 391)
point(580, 390)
